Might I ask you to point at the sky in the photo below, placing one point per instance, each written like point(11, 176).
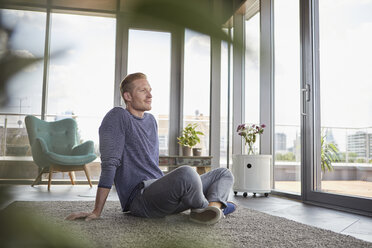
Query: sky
point(150, 53)
point(345, 66)
point(287, 69)
point(196, 73)
point(32, 27)
point(345, 52)
point(345, 63)
point(82, 80)
point(252, 70)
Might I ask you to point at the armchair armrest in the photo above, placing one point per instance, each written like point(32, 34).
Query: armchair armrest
point(43, 145)
point(83, 149)
point(40, 150)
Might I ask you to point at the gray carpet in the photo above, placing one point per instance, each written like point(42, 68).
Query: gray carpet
point(243, 228)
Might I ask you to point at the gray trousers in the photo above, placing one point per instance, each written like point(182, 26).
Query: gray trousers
point(180, 190)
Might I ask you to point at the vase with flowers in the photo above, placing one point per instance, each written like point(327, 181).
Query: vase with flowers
point(249, 133)
point(252, 172)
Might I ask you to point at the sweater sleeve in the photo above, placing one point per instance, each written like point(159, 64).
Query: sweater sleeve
point(111, 145)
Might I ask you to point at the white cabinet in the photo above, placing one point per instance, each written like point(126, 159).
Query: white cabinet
point(252, 173)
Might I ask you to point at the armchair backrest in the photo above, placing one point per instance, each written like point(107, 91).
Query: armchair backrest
point(60, 136)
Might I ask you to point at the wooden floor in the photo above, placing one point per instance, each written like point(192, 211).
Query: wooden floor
point(353, 188)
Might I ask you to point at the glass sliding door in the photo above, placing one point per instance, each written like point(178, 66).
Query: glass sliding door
point(344, 155)
point(154, 59)
point(337, 106)
point(287, 139)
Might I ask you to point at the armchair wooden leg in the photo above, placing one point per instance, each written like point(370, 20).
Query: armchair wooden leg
point(87, 175)
point(50, 177)
point(37, 180)
point(72, 177)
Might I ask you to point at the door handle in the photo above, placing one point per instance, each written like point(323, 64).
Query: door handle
point(305, 91)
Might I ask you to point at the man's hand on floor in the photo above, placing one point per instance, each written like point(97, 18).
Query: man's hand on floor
point(82, 215)
point(101, 197)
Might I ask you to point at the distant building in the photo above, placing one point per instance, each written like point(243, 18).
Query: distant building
point(359, 143)
point(369, 145)
point(329, 137)
point(68, 114)
point(280, 142)
point(297, 147)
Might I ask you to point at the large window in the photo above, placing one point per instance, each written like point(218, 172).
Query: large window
point(345, 154)
point(197, 84)
point(153, 58)
point(81, 79)
point(252, 72)
point(287, 140)
point(24, 90)
point(79, 84)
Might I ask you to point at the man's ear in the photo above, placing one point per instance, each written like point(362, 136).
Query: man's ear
point(127, 96)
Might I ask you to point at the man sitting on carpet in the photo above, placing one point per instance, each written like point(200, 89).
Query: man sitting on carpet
point(129, 149)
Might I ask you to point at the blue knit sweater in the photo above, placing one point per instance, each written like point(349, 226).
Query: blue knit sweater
point(129, 150)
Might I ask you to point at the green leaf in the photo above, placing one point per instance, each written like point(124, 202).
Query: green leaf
point(190, 135)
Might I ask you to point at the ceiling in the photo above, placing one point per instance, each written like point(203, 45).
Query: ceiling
point(222, 8)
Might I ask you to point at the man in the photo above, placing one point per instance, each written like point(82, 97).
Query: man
point(130, 158)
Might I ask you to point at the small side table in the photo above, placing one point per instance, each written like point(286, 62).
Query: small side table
point(252, 173)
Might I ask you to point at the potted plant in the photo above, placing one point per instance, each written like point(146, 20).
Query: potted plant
point(328, 153)
point(190, 138)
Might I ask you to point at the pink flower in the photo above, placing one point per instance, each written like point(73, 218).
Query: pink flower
point(249, 132)
point(240, 127)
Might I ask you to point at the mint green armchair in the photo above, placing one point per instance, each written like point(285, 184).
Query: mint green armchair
point(54, 147)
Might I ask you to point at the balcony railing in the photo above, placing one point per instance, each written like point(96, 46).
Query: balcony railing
point(354, 144)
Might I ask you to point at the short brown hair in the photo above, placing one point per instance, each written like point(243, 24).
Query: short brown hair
point(126, 84)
